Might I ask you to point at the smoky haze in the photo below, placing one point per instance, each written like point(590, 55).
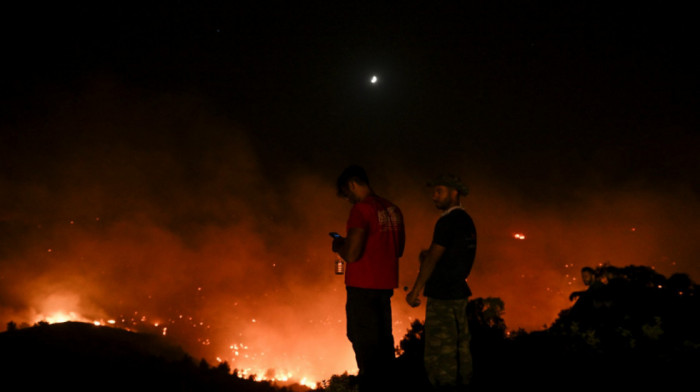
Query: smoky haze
point(160, 213)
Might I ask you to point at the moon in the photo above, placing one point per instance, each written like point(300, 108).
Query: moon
point(374, 79)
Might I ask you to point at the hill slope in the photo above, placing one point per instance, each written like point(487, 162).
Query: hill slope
point(80, 356)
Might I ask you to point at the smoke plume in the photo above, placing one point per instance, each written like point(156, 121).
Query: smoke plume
point(155, 213)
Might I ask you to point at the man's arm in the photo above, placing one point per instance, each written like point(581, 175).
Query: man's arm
point(351, 248)
point(429, 259)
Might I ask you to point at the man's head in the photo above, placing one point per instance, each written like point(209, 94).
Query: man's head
point(587, 275)
point(446, 191)
point(353, 184)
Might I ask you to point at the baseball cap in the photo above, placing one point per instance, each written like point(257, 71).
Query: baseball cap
point(452, 181)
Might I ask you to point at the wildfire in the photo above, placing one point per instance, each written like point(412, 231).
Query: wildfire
point(519, 236)
point(139, 322)
point(284, 378)
point(189, 315)
point(61, 317)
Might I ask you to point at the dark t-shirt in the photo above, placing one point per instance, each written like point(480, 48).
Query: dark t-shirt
point(456, 232)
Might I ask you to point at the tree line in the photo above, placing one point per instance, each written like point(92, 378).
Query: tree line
point(633, 328)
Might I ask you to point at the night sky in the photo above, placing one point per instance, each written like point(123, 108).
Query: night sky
point(179, 160)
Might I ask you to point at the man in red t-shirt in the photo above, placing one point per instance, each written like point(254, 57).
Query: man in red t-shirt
point(375, 241)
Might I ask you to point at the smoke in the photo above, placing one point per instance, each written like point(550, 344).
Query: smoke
point(157, 216)
point(155, 213)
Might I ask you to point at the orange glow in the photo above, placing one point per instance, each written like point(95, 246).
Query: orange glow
point(59, 317)
point(257, 289)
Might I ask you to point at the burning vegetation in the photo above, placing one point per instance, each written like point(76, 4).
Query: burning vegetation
point(636, 323)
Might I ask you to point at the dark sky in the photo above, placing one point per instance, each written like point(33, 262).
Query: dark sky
point(564, 94)
point(151, 154)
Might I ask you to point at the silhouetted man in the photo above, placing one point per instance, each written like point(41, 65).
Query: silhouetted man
point(375, 241)
point(588, 277)
point(444, 269)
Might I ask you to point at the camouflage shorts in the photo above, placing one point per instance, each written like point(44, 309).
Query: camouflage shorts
point(448, 360)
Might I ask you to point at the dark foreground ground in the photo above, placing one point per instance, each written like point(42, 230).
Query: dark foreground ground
point(82, 357)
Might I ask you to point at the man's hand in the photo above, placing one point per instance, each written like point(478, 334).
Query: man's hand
point(423, 254)
point(351, 247)
point(338, 244)
point(574, 295)
point(412, 298)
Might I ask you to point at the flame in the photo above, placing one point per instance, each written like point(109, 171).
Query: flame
point(66, 310)
point(61, 316)
point(278, 377)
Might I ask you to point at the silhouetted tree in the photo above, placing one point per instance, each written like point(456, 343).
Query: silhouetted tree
point(486, 317)
point(409, 364)
point(638, 322)
point(340, 383)
point(488, 332)
point(412, 343)
point(224, 368)
point(681, 284)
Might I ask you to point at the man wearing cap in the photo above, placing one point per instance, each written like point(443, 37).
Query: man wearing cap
point(444, 269)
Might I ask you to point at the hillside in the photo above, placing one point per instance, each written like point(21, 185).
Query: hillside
point(81, 357)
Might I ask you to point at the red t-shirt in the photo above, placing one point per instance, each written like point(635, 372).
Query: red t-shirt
point(378, 267)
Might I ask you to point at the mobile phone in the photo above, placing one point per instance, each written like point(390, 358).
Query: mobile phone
point(335, 235)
